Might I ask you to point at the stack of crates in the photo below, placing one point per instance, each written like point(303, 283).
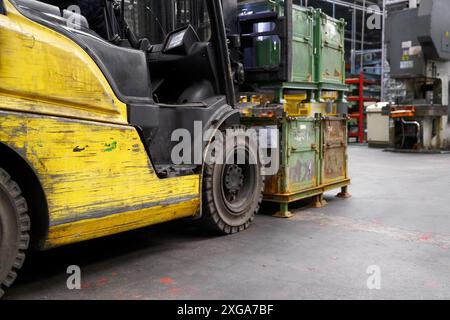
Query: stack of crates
point(316, 43)
point(313, 158)
point(310, 90)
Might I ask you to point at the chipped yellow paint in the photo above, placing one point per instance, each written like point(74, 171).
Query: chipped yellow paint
point(44, 72)
point(96, 177)
point(112, 224)
point(59, 113)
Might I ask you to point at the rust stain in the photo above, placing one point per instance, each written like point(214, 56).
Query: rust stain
point(302, 171)
point(272, 184)
point(136, 148)
point(335, 159)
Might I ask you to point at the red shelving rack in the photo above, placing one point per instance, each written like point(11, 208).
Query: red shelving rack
point(360, 82)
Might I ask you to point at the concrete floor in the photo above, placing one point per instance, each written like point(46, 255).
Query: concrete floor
point(398, 219)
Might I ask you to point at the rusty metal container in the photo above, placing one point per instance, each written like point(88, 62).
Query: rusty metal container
point(313, 158)
point(300, 170)
point(334, 167)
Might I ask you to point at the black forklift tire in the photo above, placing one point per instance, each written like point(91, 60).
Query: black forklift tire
point(14, 228)
point(219, 213)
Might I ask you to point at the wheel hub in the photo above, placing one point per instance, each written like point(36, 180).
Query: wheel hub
point(234, 181)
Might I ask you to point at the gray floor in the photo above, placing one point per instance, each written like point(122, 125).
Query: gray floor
point(398, 220)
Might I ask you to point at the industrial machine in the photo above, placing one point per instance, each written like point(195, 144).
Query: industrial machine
point(418, 41)
point(88, 109)
point(293, 57)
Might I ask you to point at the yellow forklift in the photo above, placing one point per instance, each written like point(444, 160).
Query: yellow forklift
point(88, 111)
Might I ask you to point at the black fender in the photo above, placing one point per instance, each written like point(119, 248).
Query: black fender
point(225, 117)
point(157, 123)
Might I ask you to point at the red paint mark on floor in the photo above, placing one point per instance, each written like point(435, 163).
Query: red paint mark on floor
point(86, 285)
point(101, 281)
point(425, 237)
point(166, 280)
point(174, 291)
point(431, 284)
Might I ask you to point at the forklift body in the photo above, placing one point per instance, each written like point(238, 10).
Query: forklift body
point(86, 127)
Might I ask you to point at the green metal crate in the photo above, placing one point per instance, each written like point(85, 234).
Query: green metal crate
point(268, 49)
point(335, 142)
point(310, 52)
point(300, 166)
point(313, 158)
point(303, 67)
point(330, 49)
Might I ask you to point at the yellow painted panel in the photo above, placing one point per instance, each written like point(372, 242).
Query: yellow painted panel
point(40, 67)
point(97, 177)
point(92, 170)
point(95, 228)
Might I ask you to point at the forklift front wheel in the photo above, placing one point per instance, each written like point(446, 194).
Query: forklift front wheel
point(14, 227)
point(233, 189)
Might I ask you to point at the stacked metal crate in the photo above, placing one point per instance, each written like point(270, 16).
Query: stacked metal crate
point(295, 80)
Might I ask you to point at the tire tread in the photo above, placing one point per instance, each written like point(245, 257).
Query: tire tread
point(211, 218)
point(21, 208)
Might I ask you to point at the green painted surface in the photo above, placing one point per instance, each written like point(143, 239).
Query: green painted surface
point(313, 156)
point(268, 52)
point(318, 44)
point(300, 165)
point(329, 43)
point(301, 162)
point(302, 44)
